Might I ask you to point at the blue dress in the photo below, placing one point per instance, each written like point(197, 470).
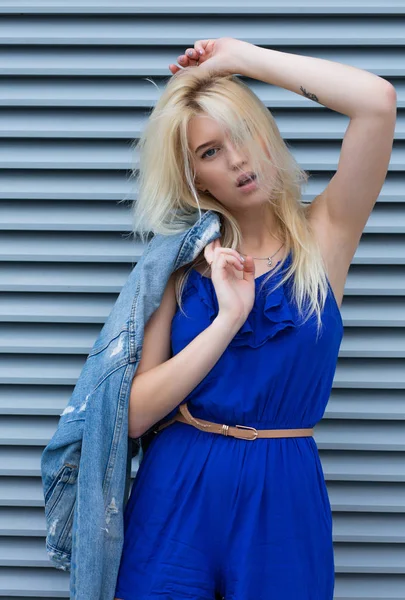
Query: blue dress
point(211, 516)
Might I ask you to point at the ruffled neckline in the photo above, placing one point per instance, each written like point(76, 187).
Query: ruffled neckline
point(270, 314)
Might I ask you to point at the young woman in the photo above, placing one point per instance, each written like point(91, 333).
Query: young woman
point(246, 339)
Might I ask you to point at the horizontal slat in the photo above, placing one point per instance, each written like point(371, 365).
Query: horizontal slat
point(347, 527)
point(105, 216)
point(369, 587)
point(84, 216)
point(43, 338)
point(377, 255)
point(349, 558)
point(368, 374)
point(38, 400)
point(54, 278)
point(388, 246)
point(358, 466)
point(26, 431)
point(116, 154)
point(113, 124)
point(370, 528)
point(49, 307)
point(209, 7)
point(352, 435)
point(361, 497)
point(44, 369)
point(21, 492)
point(112, 185)
point(154, 62)
point(368, 311)
point(355, 404)
point(64, 370)
point(106, 92)
point(356, 343)
point(123, 92)
point(388, 218)
point(58, 186)
point(363, 435)
point(61, 308)
point(22, 522)
point(368, 280)
point(97, 154)
point(338, 465)
point(38, 584)
point(20, 461)
point(47, 339)
point(369, 558)
point(27, 552)
point(124, 124)
point(350, 404)
point(148, 30)
point(29, 583)
point(36, 597)
point(345, 497)
point(78, 216)
point(385, 404)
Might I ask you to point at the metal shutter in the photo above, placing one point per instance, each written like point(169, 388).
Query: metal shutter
point(74, 94)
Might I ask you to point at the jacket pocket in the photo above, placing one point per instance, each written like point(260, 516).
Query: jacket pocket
point(66, 476)
point(60, 503)
point(60, 462)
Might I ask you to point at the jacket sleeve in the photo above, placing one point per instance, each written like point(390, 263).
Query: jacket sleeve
point(60, 463)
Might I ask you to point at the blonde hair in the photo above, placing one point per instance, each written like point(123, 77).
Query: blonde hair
point(168, 200)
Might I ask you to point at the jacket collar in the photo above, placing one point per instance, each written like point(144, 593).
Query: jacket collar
point(165, 254)
point(204, 231)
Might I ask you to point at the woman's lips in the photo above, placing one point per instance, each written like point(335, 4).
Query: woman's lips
point(248, 187)
point(244, 176)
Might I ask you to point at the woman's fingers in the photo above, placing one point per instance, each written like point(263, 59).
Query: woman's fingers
point(215, 248)
point(191, 56)
point(209, 250)
point(229, 259)
point(193, 53)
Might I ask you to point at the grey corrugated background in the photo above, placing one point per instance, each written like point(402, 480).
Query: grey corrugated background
point(73, 96)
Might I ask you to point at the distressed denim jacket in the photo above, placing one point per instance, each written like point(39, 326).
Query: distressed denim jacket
point(86, 466)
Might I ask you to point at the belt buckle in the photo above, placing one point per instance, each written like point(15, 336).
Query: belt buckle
point(252, 429)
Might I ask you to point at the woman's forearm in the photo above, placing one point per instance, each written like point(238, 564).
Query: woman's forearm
point(155, 393)
point(343, 88)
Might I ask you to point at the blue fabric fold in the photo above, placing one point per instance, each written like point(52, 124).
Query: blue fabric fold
point(271, 312)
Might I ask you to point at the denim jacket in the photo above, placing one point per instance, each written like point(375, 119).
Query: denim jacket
point(86, 466)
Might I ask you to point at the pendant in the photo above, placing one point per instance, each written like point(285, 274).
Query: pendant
point(269, 262)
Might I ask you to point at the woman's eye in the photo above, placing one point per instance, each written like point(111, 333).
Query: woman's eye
point(206, 152)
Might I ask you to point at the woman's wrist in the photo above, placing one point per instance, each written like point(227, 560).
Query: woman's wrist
point(249, 59)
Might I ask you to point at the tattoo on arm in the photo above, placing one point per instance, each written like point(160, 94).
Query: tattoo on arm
point(309, 95)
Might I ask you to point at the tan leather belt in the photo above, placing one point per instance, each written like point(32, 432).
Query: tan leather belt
point(238, 431)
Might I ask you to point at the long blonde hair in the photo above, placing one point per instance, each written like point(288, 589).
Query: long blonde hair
point(168, 201)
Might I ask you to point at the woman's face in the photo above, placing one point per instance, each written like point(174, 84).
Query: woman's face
point(218, 164)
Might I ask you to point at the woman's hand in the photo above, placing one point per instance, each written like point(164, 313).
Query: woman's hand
point(219, 55)
point(235, 294)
